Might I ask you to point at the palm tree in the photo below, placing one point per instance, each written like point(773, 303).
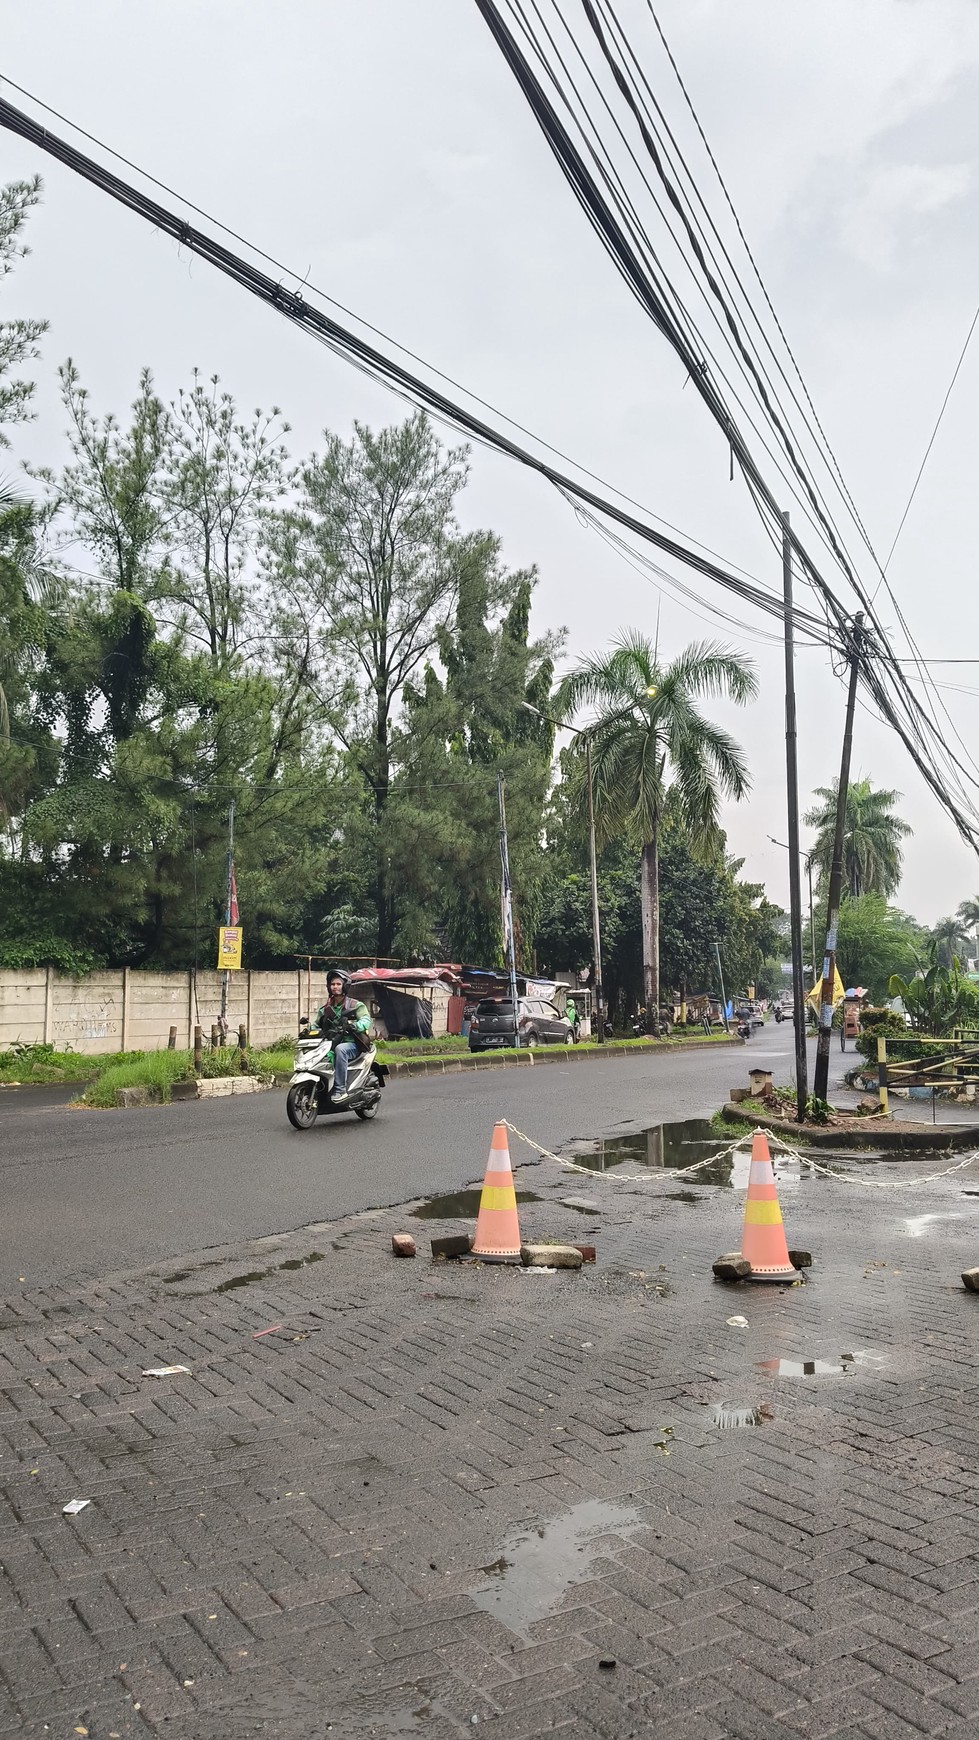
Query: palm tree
point(948, 936)
point(871, 850)
point(651, 744)
point(968, 916)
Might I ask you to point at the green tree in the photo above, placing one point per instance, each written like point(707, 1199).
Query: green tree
point(368, 567)
point(475, 716)
point(949, 935)
point(652, 746)
point(874, 941)
point(939, 999)
point(968, 917)
point(872, 835)
point(19, 339)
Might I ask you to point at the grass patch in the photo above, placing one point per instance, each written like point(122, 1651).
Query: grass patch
point(732, 1127)
point(160, 1069)
point(35, 1064)
point(154, 1069)
point(277, 1061)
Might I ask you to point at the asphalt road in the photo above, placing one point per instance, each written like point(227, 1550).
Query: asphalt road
point(87, 1193)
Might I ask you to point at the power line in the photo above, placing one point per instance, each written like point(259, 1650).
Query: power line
point(354, 349)
point(903, 711)
point(931, 443)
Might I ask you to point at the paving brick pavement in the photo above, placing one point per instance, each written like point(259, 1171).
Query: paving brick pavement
point(436, 1498)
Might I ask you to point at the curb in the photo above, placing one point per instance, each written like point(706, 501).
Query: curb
point(925, 1136)
point(550, 1054)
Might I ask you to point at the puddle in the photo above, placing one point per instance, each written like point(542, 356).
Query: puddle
point(841, 1366)
point(672, 1147)
point(539, 1565)
point(263, 1274)
point(464, 1205)
point(725, 1414)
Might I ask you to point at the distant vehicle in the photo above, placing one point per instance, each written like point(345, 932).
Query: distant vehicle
point(539, 1024)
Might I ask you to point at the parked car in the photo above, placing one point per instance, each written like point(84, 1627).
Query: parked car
point(539, 1024)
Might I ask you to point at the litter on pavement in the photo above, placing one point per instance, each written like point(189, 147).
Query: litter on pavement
point(737, 1322)
point(165, 1370)
point(75, 1506)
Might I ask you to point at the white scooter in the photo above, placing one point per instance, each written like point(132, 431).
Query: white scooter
point(311, 1086)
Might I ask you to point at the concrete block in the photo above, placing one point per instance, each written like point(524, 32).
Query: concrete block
point(137, 1096)
point(970, 1279)
point(454, 1245)
point(403, 1245)
point(800, 1259)
point(732, 1267)
point(550, 1256)
point(736, 1095)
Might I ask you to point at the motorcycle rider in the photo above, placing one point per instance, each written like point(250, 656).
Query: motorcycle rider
point(342, 1015)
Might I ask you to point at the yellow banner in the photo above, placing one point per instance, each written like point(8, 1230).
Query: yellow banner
point(839, 991)
point(229, 948)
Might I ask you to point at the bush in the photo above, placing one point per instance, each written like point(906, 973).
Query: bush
point(878, 1024)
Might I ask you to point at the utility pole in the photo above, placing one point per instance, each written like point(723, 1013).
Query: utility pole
point(598, 995)
point(226, 976)
point(720, 975)
point(507, 902)
point(820, 1086)
point(812, 920)
point(792, 795)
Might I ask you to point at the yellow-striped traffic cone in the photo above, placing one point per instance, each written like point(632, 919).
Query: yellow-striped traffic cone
point(497, 1237)
point(763, 1240)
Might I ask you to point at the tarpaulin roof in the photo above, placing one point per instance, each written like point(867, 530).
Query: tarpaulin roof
point(404, 975)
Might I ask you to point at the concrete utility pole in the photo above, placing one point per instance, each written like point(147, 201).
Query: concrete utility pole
point(720, 975)
point(792, 795)
point(820, 1086)
point(507, 902)
point(598, 995)
point(226, 976)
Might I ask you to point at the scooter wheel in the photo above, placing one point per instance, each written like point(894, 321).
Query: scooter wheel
point(301, 1107)
point(365, 1112)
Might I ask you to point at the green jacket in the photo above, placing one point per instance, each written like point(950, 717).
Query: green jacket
point(348, 1014)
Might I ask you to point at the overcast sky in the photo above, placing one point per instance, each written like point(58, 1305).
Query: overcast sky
point(382, 147)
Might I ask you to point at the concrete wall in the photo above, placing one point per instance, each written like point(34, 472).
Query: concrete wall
point(129, 1010)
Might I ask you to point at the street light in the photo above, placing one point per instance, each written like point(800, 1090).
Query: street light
point(807, 857)
point(562, 725)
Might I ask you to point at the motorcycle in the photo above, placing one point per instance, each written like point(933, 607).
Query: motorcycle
point(311, 1086)
point(647, 1026)
point(779, 1013)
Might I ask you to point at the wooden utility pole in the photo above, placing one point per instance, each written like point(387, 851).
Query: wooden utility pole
point(820, 1085)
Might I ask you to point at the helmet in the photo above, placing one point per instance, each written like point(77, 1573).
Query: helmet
point(338, 973)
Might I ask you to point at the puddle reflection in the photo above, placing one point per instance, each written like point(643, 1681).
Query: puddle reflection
point(461, 1205)
point(842, 1366)
point(671, 1147)
point(539, 1565)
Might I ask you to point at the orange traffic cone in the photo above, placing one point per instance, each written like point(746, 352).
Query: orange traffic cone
point(763, 1240)
point(497, 1237)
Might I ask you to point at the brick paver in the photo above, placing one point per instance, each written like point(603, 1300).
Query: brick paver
point(304, 1536)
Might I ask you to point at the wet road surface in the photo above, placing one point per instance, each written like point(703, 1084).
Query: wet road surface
point(88, 1192)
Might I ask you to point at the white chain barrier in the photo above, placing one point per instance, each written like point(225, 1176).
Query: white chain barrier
point(656, 1175)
